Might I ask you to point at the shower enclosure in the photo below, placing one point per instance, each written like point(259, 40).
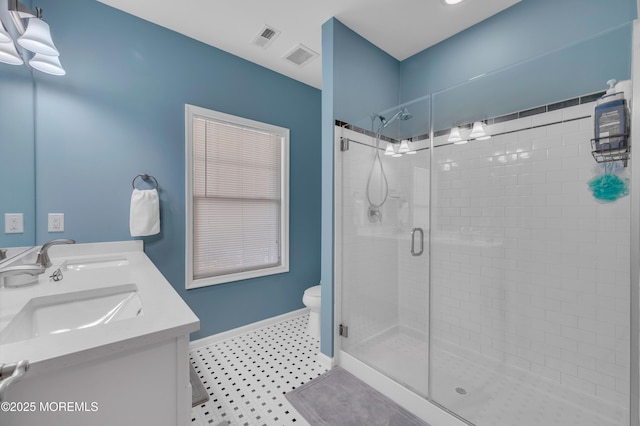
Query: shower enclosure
point(489, 282)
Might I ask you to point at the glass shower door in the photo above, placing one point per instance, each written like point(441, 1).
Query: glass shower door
point(385, 259)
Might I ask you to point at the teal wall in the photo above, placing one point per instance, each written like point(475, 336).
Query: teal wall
point(547, 50)
point(536, 52)
point(17, 172)
point(358, 79)
point(119, 111)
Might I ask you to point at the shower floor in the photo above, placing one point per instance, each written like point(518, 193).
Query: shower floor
point(482, 391)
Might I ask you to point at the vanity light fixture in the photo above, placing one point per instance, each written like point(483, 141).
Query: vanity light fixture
point(33, 35)
point(37, 38)
point(404, 147)
point(389, 150)
point(48, 64)
point(478, 132)
point(412, 150)
point(454, 136)
point(4, 35)
point(9, 54)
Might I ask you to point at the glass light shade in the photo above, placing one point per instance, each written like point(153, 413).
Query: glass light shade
point(452, 1)
point(477, 131)
point(461, 142)
point(47, 64)
point(389, 150)
point(396, 155)
point(484, 138)
point(4, 35)
point(9, 54)
point(454, 136)
point(37, 38)
point(404, 146)
point(411, 152)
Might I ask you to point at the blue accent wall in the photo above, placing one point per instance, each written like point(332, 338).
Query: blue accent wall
point(358, 79)
point(17, 174)
point(120, 111)
point(365, 80)
point(532, 29)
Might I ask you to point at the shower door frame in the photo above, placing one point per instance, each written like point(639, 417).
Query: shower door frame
point(634, 392)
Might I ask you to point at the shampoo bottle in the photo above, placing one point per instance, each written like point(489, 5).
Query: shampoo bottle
point(611, 120)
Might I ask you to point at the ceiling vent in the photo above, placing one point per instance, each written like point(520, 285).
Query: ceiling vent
point(265, 37)
point(300, 55)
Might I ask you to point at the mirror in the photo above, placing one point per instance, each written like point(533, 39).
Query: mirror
point(17, 150)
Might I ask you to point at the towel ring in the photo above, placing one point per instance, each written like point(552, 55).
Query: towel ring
point(144, 176)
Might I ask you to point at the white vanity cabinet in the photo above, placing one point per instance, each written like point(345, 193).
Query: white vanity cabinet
point(134, 371)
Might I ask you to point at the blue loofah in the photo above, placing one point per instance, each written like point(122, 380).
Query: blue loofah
point(609, 187)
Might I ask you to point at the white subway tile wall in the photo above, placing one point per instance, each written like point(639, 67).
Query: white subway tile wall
point(527, 267)
point(529, 274)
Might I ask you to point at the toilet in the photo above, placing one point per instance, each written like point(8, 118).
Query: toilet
point(311, 300)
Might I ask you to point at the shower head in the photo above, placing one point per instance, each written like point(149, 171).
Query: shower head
point(403, 115)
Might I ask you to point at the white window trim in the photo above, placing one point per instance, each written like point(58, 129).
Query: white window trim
point(190, 283)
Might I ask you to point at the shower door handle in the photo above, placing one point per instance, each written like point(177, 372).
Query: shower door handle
point(413, 241)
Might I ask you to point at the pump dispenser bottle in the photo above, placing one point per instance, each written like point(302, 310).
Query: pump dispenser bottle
point(611, 120)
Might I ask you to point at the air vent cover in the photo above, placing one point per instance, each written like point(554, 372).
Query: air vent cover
point(300, 55)
point(265, 37)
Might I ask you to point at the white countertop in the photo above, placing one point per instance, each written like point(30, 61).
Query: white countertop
point(164, 314)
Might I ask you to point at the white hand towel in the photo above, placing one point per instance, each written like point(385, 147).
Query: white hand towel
point(144, 216)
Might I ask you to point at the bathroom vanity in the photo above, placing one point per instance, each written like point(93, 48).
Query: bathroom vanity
point(107, 342)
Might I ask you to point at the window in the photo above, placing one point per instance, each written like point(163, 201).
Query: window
point(237, 196)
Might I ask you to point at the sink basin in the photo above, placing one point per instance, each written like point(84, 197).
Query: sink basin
point(66, 312)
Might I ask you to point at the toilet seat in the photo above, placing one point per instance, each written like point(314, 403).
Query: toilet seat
point(313, 291)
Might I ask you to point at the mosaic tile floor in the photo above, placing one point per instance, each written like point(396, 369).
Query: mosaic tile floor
point(247, 376)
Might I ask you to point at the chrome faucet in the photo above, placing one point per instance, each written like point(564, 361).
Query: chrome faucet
point(43, 255)
point(33, 269)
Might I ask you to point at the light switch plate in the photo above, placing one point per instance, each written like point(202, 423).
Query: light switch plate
point(56, 222)
point(13, 223)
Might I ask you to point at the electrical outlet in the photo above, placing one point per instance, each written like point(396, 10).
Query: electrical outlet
point(56, 222)
point(13, 223)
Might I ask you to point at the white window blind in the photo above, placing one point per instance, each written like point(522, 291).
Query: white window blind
point(238, 198)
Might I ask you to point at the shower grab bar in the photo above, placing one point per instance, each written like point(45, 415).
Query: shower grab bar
point(413, 242)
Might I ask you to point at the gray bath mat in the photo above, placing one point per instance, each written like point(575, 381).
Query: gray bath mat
point(199, 394)
point(337, 398)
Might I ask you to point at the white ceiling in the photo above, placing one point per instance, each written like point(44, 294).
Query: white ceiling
point(399, 27)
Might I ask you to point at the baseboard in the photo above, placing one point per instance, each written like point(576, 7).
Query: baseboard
point(215, 338)
point(325, 361)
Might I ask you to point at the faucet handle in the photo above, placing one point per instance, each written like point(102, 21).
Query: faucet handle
point(43, 254)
